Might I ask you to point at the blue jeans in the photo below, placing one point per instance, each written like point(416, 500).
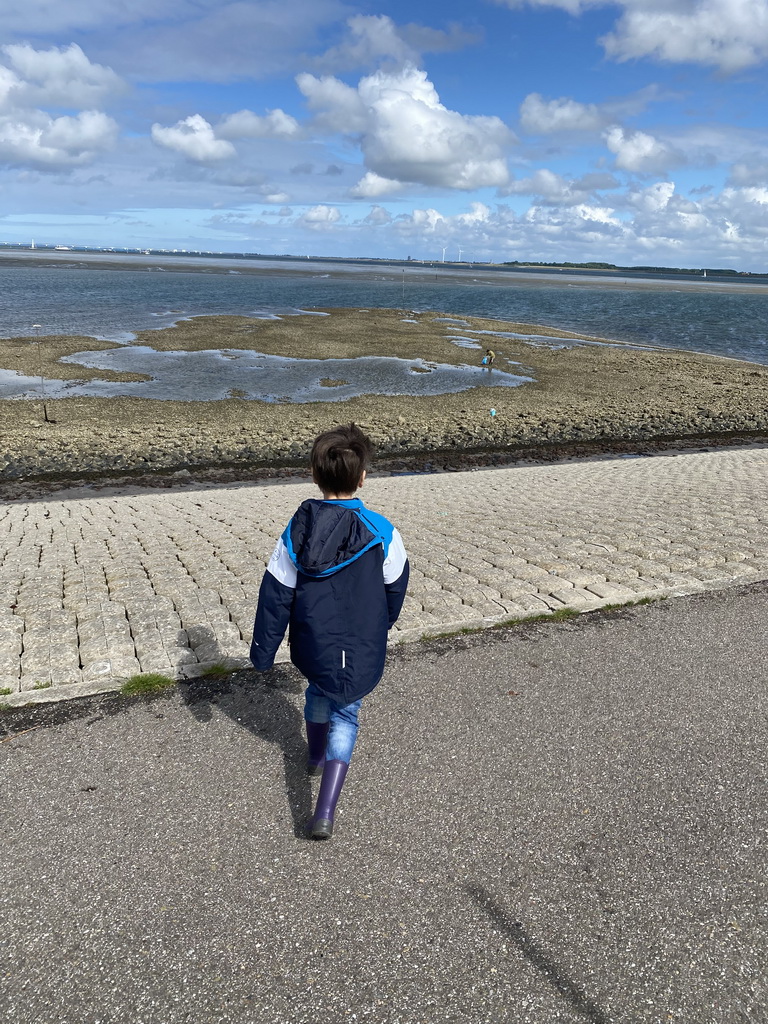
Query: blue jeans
point(342, 718)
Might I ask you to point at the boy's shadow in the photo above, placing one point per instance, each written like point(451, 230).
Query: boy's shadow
point(258, 702)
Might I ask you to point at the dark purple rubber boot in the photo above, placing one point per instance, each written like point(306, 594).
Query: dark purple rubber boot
point(334, 774)
point(317, 737)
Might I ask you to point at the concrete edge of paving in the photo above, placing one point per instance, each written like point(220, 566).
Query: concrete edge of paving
point(619, 597)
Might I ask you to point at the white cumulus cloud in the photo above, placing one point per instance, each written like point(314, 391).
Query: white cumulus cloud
point(51, 142)
point(406, 134)
point(750, 195)
point(639, 152)
point(373, 39)
point(338, 106)
point(370, 38)
point(377, 216)
point(665, 220)
point(182, 40)
point(194, 138)
point(320, 218)
point(542, 117)
point(555, 190)
point(372, 185)
point(59, 77)
point(247, 125)
point(727, 34)
point(422, 223)
point(750, 169)
point(652, 224)
point(653, 199)
point(478, 213)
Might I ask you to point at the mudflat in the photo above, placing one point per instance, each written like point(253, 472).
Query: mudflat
point(583, 397)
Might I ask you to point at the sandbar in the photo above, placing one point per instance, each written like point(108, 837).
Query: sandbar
point(585, 397)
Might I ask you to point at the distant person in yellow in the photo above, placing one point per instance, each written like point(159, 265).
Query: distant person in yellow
point(489, 357)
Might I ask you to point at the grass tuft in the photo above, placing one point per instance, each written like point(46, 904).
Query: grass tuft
point(466, 631)
point(557, 616)
point(5, 690)
point(628, 604)
point(146, 682)
point(217, 671)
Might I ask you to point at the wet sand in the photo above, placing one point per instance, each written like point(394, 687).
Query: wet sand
point(585, 399)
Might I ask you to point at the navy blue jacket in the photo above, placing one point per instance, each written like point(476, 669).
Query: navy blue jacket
point(337, 580)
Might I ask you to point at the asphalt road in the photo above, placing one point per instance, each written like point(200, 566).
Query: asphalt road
point(563, 822)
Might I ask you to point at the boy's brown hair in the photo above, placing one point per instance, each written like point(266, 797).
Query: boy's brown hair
point(339, 459)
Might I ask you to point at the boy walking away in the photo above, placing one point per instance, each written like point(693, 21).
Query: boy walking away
point(337, 578)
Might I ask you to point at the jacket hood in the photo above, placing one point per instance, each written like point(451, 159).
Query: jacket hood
point(324, 536)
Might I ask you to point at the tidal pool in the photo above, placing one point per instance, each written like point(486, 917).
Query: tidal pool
point(212, 375)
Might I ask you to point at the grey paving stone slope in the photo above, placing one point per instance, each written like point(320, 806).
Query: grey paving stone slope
point(99, 588)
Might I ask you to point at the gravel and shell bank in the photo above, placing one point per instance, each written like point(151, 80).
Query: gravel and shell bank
point(584, 398)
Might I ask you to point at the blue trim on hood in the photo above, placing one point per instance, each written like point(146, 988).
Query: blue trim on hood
point(332, 534)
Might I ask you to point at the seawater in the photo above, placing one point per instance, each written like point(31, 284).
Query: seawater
point(226, 373)
point(114, 304)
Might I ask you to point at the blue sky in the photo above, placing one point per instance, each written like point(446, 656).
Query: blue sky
point(632, 132)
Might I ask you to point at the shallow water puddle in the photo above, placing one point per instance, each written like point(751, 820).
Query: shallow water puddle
point(212, 375)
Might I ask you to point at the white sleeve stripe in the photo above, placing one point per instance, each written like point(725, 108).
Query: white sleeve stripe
point(281, 566)
point(396, 558)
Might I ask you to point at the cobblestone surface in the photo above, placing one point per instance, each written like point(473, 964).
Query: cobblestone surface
point(97, 589)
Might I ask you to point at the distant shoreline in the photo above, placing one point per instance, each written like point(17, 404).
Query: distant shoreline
point(496, 274)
